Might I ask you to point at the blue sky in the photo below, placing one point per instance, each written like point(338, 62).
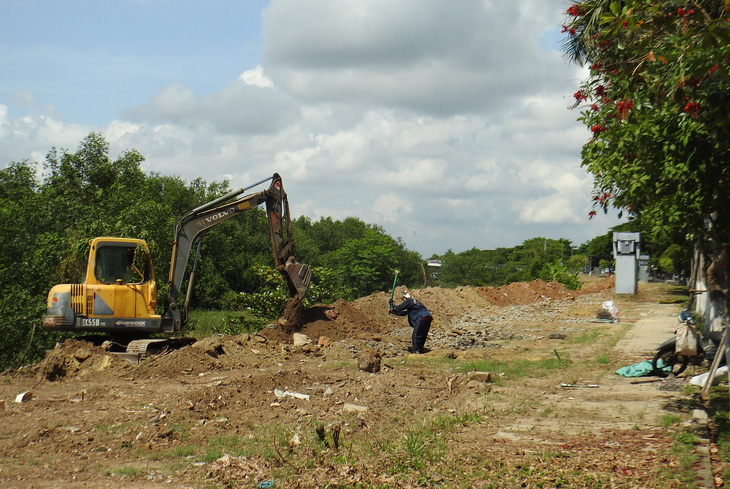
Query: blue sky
point(92, 58)
point(446, 123)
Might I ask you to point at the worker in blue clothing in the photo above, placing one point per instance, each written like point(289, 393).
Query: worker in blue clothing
point(418, 317)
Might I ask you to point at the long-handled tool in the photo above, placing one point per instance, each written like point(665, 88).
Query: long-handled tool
point(392, 292)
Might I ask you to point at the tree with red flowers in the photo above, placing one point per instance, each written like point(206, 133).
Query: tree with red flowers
point(657, 103)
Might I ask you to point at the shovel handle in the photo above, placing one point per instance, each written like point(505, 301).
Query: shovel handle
point(392, 291)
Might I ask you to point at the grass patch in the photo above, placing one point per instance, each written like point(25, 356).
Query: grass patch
point(718, 402)
point(590, 337)
point(128, 471)
point(421, 446)
point(683, 448)
point(667, 420)
point(183, 451)
point(220, 445)
point(604, 359)
point(203, 324)
point(517, 369)
point(114, 429)
point(412, 450)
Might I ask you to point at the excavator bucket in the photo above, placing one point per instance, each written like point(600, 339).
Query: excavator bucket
point(297, 276)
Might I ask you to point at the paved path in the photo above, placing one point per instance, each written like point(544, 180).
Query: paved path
point(641, 341)
point(647, 333)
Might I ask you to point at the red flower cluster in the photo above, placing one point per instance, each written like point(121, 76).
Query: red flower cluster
point(684, 13)
point(694, 82)
point(580, 96)
point(598, 129)
point(604, 45)
point(575, 10)
point(624, 106)
point(693, 109)
point(600, 91)
point(569, 30)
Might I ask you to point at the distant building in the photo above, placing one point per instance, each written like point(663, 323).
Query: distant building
point(433, 267)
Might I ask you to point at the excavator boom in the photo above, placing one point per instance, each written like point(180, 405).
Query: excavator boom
point(191, 228)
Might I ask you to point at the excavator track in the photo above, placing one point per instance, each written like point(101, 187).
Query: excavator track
point(138, 350)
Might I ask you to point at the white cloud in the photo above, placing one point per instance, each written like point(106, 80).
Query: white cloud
point(256, 78)
point(239, 108)
point(446, 123)
point(432, 57)
point(391, 207)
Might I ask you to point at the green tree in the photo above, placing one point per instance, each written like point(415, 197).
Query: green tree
point(465, 268)
point(558, 272)
point(657, 104)
point(366, 264)
point(26, 257)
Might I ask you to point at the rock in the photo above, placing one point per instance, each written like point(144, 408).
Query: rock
point(82, 354)
point(354, 408)
point(481, 376)
point(369, 361)
point(300, 339)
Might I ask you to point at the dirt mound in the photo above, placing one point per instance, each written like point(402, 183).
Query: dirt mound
point(520, 293)
point(337, 321)
point(214, 353)
point(524, 292)
point(322, 324)
point(78, 358)
point(294, 315)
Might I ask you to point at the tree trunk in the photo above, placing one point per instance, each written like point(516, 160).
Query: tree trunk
point(718, 284)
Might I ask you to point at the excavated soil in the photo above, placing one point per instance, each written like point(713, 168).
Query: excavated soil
point(341, 373)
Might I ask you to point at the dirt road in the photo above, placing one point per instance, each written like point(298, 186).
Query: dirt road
point(518, 390)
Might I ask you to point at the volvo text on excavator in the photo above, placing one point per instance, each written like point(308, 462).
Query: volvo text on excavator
point(119, 293)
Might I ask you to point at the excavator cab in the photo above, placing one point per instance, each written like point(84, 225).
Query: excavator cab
point(123, 264)
point(119, 293)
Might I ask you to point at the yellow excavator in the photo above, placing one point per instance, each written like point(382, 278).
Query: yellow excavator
point(119, 293)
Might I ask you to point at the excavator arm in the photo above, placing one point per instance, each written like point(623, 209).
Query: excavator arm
point(192, 227)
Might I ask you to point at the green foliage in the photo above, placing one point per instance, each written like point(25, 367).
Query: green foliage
point(208, 323)
point(557, 272)
point(324, 288)
point(536, 258)
point(656, 102)
point(269, 301)
point(366, 264)
point(362, 257)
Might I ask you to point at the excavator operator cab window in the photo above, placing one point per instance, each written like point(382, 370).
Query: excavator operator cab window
point(115, 263)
